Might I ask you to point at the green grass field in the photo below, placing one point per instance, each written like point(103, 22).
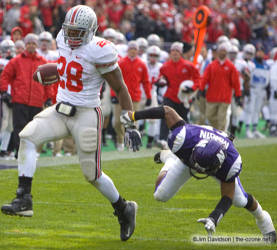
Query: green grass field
point(70, 214)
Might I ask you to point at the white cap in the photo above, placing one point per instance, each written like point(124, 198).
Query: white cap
point(177, 46)
point(31, 37)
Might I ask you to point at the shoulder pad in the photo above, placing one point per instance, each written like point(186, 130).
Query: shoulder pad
point(103, 51)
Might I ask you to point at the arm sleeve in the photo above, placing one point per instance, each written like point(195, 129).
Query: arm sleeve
point(146, 83)
point(7, 76)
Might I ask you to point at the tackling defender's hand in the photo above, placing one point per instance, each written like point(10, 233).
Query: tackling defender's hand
point(132, 138)
point(209, 225)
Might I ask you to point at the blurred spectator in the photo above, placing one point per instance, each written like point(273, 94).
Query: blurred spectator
point(221, 77)
point(11, 18)
point(16, 34)
point(28, 96)
point(175, 71)
point(135, 73)
point(19, 46)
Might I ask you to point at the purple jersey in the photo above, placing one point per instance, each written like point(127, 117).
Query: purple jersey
point(182, 140)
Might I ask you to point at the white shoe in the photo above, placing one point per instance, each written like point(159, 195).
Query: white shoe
point(120, 147)
point(67, 154)
point(265, 223)
point(59, 154)
point(249, 134)
point(258, 134)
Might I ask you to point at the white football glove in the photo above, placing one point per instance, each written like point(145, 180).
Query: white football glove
point(132, 138)
point(126, 120)
point(209, 225)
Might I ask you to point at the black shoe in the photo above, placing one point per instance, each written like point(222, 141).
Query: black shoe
point(270, 237)
point(157, 158)
point(22, 205)
point(127, 220)
point(149, 145)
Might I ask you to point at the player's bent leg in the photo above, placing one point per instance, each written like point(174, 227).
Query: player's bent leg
point(263, 219)
point(34, 133)
point(171, 178)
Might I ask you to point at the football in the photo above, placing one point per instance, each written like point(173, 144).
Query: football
point(47, 74)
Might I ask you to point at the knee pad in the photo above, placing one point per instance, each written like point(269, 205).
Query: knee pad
point(28, 132)
point(90, 170)
point(250, 201)
point(88, 139)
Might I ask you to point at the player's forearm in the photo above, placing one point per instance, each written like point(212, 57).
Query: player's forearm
point(124, 99)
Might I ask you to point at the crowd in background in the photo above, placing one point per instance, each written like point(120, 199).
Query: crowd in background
point(157, 36)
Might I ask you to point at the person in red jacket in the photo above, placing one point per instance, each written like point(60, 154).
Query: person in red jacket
point(135, 73)
point(28, 96)
point(222, 78)
point(175, 71)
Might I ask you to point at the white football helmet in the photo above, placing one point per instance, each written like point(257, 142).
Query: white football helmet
point(222, 39)
point(109, 34)
point(154, 39)
point(79, 26)
point(45, 35)
point(249, 51)
point(235, 41)
point(142, 43)
point(120, 38)
point(7, 49)
point(233, 52)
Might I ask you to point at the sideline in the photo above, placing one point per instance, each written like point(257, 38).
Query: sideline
point(115, 155)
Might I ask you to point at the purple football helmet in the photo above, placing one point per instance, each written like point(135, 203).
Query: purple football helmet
point(207, 157)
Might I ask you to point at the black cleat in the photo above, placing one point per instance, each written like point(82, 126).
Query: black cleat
point(127, 220)
point(270, 237)
point(22, 205)
point(157, 158)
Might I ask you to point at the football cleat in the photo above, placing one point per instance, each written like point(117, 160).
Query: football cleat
point(22, 205)
point(157, 158)
point(127, 220)
point(270, 237)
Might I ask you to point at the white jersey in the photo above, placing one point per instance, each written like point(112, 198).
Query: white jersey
point(3, 63)
point(49, 55)
point(241, 67)
point(273, 76)
point(81, 70)
point(122, 49)
point(164, 56)
point(153, 71)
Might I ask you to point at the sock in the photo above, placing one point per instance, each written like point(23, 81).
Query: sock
point(254, 127)
point(258, 213)
point(247, 127)
point(119, 205)
point(106, 186)
point(25, 183)
point(151, 113)
point(27, 158)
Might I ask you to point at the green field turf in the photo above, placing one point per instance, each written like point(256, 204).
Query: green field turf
point(70, 214)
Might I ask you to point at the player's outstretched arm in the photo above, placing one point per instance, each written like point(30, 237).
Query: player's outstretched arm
point(115, 80)
point(227, 194)
point(163, 112)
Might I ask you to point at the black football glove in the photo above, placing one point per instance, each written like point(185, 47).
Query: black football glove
point(238, 101)
point(148, 102)
point(275, 94)
point(48, 103)
point(6, 98)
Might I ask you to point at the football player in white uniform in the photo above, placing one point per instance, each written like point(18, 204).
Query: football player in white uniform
point(153, 66)
point(242, 67)
point(85, 62)
point(7, 51)
point(154, 39)
point(45, 42)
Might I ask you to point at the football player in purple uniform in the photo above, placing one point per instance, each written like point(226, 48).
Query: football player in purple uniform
point(203, 150)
